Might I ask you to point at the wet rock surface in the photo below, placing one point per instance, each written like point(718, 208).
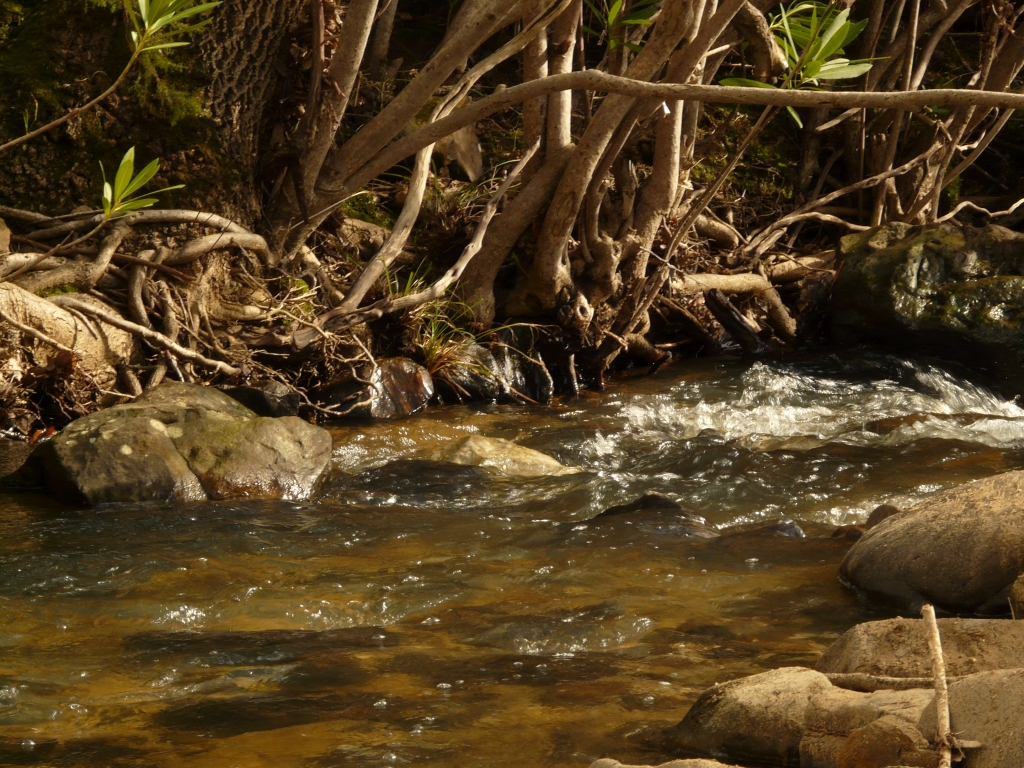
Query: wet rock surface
point(654, 511)
point(392, 389)
point(899, 648)
point(521, 366)
point(471, 377)
point(181, 442)
point(502, 456)
point(943, 289)
point(960, 550)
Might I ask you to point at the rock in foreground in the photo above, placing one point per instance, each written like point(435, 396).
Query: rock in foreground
point(899, 648)
point(960, 550)
point(758, 719)
point(181, 442)
point(502, 456)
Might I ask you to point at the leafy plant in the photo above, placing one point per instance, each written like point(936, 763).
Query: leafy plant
point(155, 25)
point(813, 36)
point(117, 197)
point(616, 22)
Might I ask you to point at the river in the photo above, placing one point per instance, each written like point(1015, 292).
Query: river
point(430, 614)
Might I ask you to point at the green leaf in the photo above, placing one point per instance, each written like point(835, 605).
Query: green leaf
point(124, 174)
point(742, 82)
point(143, 178)
point(613, 14)
point(796, 117)
point(134, 205)
point(159, 46)
point(855, 28)
point(842, 69)
point(832, 39)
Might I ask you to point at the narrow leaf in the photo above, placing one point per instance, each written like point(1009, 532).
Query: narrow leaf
point(124, 174)
point(742, 82)
point(840, 69)
point(143, 178)
point(796, 117)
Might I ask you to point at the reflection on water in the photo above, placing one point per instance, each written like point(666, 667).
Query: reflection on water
point(427, 613)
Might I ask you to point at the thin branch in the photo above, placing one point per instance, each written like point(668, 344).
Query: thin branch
point(154, 337)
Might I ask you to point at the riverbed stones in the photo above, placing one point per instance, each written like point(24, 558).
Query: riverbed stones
point(961, 550)
point(899, 648)
point(390, 389)
point(945, 289)
point(181, 442)
point(758, 719)
point(502, 456)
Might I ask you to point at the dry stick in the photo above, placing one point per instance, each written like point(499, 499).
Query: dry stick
point(756, 245)
point(76, 111)
point(168, 216)
point(148, 334)
point(943, 737)
point(982, 146)
point(37, 334)
point(398, 237)
point(437, 290)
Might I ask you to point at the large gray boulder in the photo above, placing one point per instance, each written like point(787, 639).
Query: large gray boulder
point(181, 442)
point(961, 550)
point(759, 719)
point(945, 289)
point(899, 648)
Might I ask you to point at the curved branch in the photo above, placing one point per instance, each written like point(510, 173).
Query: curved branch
point(163, 216)
point(203, 245)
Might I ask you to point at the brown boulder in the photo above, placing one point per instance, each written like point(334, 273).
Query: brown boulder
point(960, 550)
point(899, 648)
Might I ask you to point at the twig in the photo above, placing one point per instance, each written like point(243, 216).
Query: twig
point(37, 334)
point(943, 737)
point(148, 334)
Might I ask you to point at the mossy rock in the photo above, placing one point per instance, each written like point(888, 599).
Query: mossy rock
point(944, 289)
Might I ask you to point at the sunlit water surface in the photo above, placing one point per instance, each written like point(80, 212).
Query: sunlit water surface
point(431, 614)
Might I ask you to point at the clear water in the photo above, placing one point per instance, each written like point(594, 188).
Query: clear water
point(430, 614)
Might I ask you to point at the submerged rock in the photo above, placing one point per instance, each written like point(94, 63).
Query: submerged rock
point(943, 289)
point(502, 456)
point(760, 718)
point(391, 389)
point(181, 442)
point(658, 512)
point(961, 550)
point(899, 648)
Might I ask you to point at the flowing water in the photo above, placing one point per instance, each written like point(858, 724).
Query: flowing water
point(423, 613)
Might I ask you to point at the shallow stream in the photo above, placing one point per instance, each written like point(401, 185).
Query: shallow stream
point(423, 613)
